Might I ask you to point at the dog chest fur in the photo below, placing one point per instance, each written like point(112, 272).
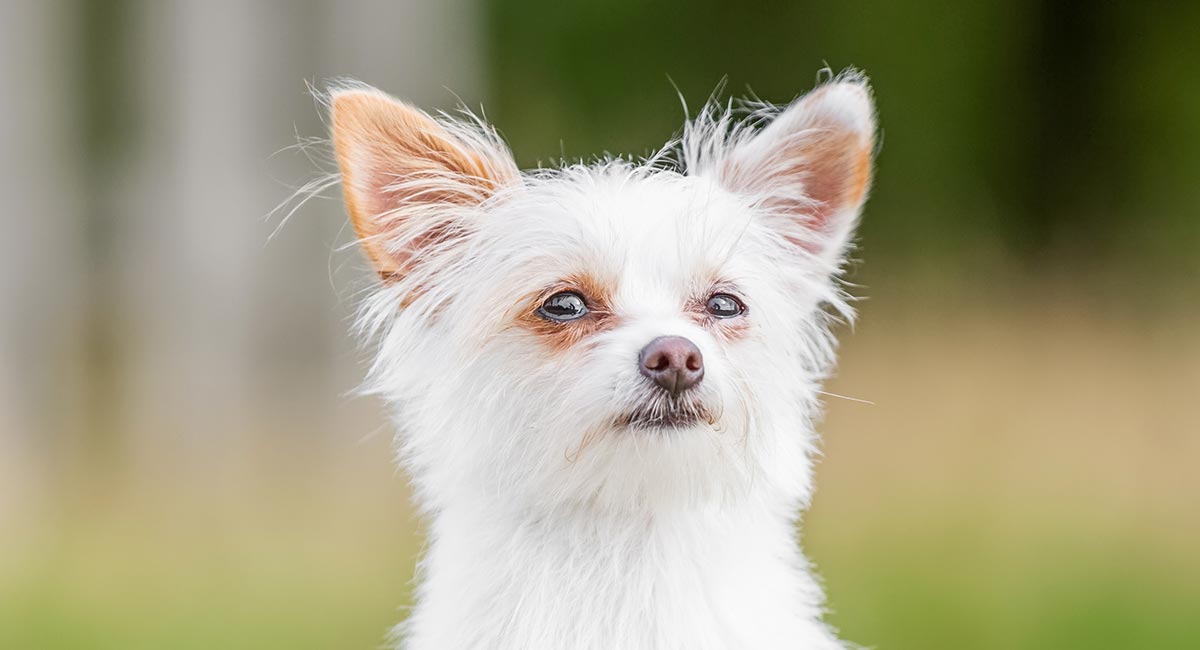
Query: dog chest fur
point(694, 580)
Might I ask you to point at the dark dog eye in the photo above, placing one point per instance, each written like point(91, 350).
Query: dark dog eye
point(564, 306)
point(723, 305)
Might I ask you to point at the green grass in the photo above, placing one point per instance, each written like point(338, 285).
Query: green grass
point(925, 585)
point(192, 594)
point(905, 585)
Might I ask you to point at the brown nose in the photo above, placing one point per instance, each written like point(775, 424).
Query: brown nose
point(672, 362)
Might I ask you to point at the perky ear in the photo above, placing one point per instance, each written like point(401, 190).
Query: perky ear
point(406, 176)
point(811, 165)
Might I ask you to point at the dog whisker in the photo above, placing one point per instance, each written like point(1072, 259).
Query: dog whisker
point(845, 397)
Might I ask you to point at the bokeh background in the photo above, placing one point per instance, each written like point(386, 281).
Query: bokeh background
point(182, 464)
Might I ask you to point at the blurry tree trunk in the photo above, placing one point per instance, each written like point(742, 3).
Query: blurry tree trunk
point(42, 258)
point(1069, 177)
point(192, 225)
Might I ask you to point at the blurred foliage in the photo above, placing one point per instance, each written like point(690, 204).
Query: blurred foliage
point(1051, 134)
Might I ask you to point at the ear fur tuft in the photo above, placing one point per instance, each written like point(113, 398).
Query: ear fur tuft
point(404, 172)
point(811, 164)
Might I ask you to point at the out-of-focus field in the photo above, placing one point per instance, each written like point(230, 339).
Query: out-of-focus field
point(1024, 478)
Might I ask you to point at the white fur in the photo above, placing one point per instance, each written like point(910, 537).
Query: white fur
point(550, 527)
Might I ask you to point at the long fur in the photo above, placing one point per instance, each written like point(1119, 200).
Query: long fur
point(551, 526)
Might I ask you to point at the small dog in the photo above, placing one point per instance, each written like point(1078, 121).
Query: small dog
point(606, 375)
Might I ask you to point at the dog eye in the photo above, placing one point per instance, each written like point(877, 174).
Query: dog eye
point(564, 306)
point(723, 305)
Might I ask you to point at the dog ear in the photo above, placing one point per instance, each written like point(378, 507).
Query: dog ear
point(407, 177)
point(810, 167)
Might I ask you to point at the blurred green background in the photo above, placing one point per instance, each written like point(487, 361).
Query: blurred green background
point(181, 465)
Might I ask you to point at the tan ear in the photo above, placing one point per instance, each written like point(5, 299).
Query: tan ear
point(404, 174)
point(812, 163)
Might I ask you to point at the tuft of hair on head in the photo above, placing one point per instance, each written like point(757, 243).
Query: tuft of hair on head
point(409, 178)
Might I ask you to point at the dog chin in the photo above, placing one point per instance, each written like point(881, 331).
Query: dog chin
point(669, 417)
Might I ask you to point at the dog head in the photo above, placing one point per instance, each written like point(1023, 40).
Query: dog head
point(617, 334)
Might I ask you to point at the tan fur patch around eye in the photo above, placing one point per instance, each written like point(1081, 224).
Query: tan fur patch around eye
point(562, 336)
point(729, 329)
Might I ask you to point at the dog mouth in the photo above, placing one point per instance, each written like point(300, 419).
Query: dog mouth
point(666, 415)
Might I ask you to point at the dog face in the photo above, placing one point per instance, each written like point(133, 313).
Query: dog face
point(617, 335)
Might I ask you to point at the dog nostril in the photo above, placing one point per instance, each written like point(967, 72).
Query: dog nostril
point(674, 363)
point(658, 362)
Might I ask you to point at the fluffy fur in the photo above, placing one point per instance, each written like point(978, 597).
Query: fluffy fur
point(553, 523)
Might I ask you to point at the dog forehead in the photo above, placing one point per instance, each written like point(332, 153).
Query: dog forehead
point(646, 212)
point(663, 226)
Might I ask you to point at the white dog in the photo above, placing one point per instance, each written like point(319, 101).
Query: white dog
point(605, 376)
